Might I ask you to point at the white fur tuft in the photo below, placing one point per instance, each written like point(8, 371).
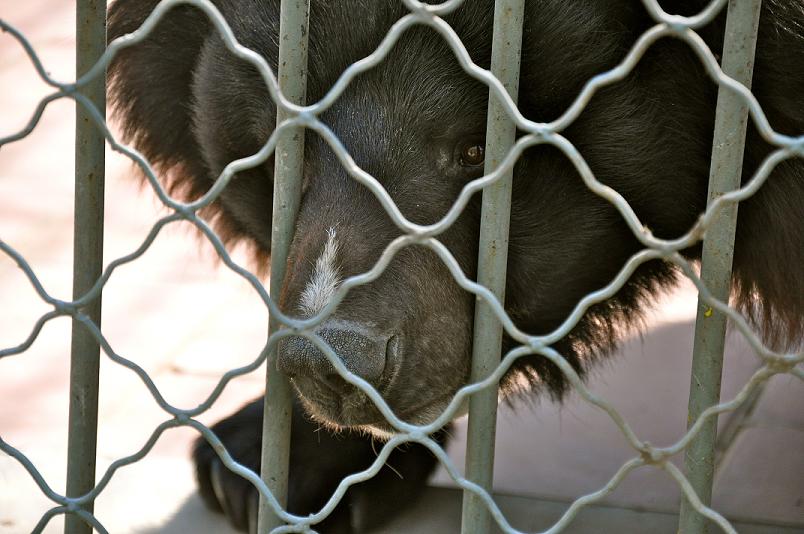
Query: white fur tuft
point(325, 279)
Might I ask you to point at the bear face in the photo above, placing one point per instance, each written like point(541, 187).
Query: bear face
point(416, 123)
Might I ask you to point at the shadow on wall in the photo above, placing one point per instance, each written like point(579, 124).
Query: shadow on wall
point(192, 516)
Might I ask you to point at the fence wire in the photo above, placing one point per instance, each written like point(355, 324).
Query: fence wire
point(535, 133)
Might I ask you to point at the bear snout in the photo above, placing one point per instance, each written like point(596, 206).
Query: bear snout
point(364, 351)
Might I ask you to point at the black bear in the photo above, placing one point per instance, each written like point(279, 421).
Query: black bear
point(416, 122)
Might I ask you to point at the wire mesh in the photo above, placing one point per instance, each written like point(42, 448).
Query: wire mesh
point(683, 28)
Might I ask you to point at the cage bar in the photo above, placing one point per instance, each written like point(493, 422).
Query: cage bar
point(87, 262)
point(731, 119)
point(492, 263)
point(289, 156)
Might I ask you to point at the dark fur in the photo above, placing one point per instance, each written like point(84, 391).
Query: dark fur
point(319, 459)
point(192, 108)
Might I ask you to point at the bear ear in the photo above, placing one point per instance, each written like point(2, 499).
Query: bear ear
point(150, 89)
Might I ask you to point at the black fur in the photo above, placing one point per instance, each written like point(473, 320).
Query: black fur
point(191, 107)
point(319, 459)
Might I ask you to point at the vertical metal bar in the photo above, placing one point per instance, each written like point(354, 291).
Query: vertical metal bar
point(289, 156)
point(492, 263)
point(87, 261)
point(731, 119)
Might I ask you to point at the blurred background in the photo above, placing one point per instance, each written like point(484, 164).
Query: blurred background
point(186, 319)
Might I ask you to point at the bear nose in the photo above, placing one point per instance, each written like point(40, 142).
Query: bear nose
point(362, 350)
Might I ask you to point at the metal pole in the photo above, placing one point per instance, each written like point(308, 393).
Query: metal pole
point(718, 250)
point(87, 261)
point(289, 156)
point(492, 264)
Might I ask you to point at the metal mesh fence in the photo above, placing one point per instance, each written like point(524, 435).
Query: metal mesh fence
point(534, 133)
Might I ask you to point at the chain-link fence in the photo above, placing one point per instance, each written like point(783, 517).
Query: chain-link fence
point(735, 104)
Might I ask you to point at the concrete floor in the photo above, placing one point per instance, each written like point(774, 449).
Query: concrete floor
point(186, 321)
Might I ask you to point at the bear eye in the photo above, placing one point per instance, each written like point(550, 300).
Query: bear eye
point(473, 155)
